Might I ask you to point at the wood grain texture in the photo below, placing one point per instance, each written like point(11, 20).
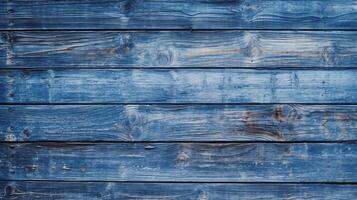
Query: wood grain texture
point(199, 162)
point(200, 49)
point(174, 14)
point(178, 86)
point(178, 123)
point(180, 191)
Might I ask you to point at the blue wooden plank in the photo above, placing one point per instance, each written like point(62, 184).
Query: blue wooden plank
point(199, 162)
point(175, 14)
point(180, 191)
point(178, 123)
point(177, 49)
point(178, 86)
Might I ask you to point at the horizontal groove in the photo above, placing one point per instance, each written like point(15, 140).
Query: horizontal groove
point(176, 29)
point(168, 104)
point(180, 182)
point(178, 68)
point(57, 142)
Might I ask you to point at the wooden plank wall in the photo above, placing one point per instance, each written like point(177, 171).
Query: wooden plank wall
point(214, 99)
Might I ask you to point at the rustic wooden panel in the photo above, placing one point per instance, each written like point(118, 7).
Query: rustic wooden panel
point(175, 14)
point(178, 123)
point(185, 191)
point(218, 162)
point(179, 86)
point(184, 110)
point(266, 49)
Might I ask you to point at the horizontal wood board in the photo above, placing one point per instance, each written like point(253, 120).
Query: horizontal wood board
point(193, 162)
point(178, 86)
point(180, 191)
point(178, 123)
point(178, 49)
point(174, 14)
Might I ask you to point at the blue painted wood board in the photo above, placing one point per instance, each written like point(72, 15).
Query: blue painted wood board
point(174, 122)
point(178, 86)
point(181, 191)
point(178, 14)
point(178, 49)
point(193, 162)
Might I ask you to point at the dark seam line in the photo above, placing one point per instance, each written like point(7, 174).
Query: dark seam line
point(168, 104)
point(4, 68)
point(176, 29)
point(95, 142)
point(187, 182)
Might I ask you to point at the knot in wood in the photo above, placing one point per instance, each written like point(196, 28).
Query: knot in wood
point(182, 159)
point(282, 113)
point(247, 10)
point(27, 133)
point(162, 56)
point(183, 156)
point(129, 6)
point(253, 49)
point(8, 37)
point(328, 55)
point(124, 44)
point(9, 190)
point(10, 11)
point(26, 74)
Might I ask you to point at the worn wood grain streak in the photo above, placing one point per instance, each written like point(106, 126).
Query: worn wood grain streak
point(178, 86)
point(178, 123)
point(206, 162)
point(175, 14)
point(180, 191)
point(202, 49)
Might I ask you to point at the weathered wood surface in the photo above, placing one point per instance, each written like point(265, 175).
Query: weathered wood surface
point(174, 14)
point(184, 191)
point(202, 49)
point(178, 123)
point(178, 86)
point(206, 162)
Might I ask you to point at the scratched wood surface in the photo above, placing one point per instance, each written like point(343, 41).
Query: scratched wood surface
point(198, 162)
point(177, 49)
point(136, 99)
point(178, 86)
point(178, 123)
point(182, 191)
point(174, 14)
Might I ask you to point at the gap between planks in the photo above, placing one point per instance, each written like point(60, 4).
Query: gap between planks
point(184, 182)
point(95, 142)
